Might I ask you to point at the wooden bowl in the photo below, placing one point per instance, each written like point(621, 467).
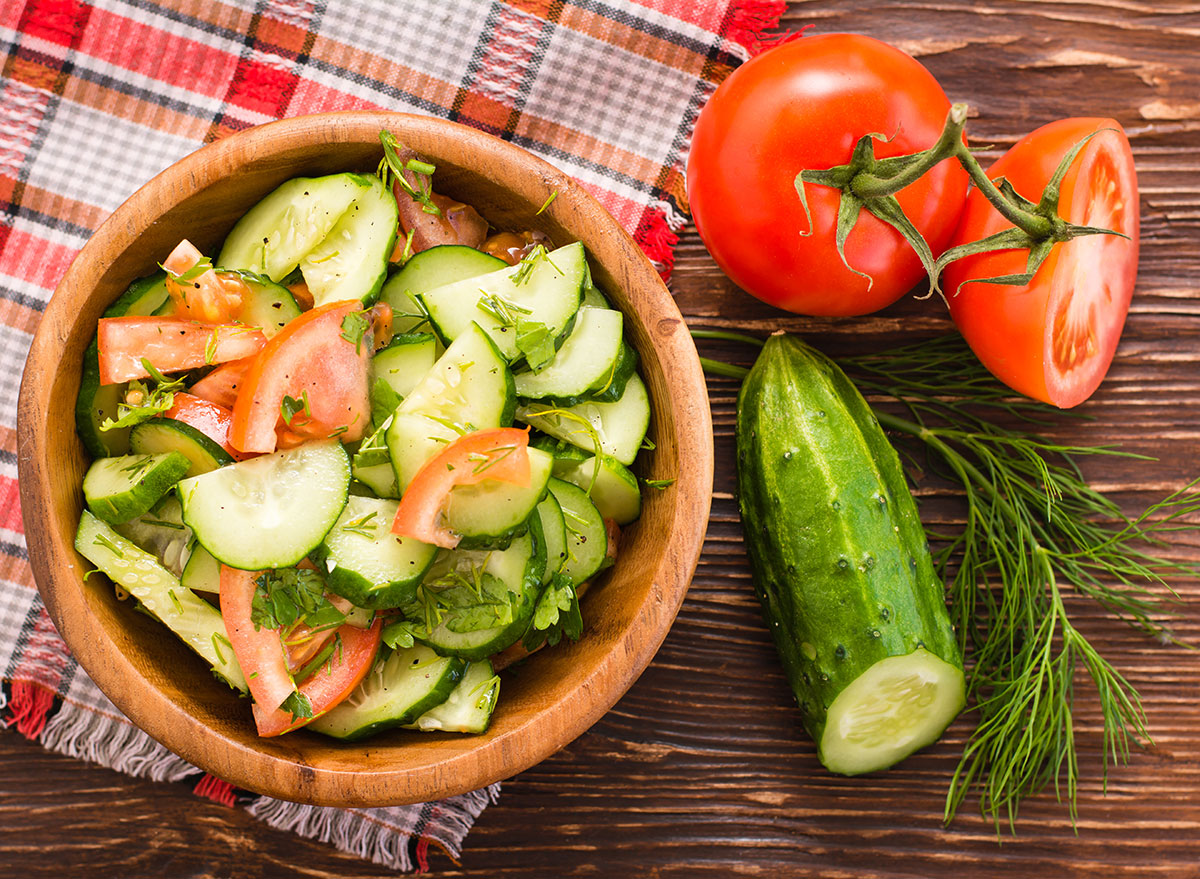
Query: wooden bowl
point(168, 691)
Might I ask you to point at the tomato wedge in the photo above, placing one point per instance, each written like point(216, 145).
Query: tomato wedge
point(171, 344)
point(259, 652)
point(500, 453)
point(209, 418)
point(312, 361)
point(221, 385)
point(206, 296)
point(329, 684)
point(1054, 338)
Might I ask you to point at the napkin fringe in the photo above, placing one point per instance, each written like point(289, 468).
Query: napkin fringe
point(749, 21)
point(29, 708)
point(368, 833)
point(114, 742)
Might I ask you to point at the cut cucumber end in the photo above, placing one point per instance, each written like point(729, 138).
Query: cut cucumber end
point(897, 706)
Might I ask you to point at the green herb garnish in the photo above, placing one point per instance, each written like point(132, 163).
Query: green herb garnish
point(354, 327)
point(291, 407)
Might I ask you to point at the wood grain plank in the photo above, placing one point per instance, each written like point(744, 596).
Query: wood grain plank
point(701, 770)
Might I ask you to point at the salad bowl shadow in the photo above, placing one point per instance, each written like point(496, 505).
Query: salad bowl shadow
point(168, 691)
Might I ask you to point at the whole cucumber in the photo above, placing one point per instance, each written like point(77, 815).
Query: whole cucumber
point(841, 565)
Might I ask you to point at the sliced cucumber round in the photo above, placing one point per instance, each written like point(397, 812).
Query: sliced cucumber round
point(161, 434)
point(139, 573)
point(469, 388)
point(545, 291)
point(470, 705)
point(120, 489)
point(365, 563)
point(609, 483)
point(586, 361)
point(554, 530)
point(897, 706)
point(268, 305)
point(486, 598)
point(491, 513)
point(270, 511)
point(405, 361)
point(274, 235)
point(395, 692)
point(616, 429)
point(351, 261)
point(587, 539)
point(428, 269)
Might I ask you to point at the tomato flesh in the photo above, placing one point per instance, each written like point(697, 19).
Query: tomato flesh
point(206, 296)
point(329, 684)
point(209, 418)
point(171, 344)
point(1054, 338)
point(259, 651)
point(804, 105)
point(500, 453)
point(309, 359)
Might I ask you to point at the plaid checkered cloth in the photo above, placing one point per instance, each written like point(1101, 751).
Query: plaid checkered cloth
point(98, 97)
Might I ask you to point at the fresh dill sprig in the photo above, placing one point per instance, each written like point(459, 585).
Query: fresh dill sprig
point(1034, 532)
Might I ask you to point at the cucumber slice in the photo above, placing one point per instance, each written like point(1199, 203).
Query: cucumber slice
point(274, 235)
point(97, 402)
point(395, 692)
point(351, 261)
point(618, 427)
point(586, 361)
point(161, 434)
point(490, 514)
point(365, 562)
point(609, 483)
point(268, 306)
point(487, 598)
point(554, 530)
point(547, 293)
point(897, 706)
point(372, 465)
point(587, 540)
point(270, 511)
point(405, 361)
point(161, 533)
point(136, 571)
point(469, 388)
point(428, 269)
point(202, 573)
point(120, 489)
point(470, 705)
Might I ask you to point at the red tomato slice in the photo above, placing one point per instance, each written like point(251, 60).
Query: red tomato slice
point(498, 453)
point(207, 417)
point(221, 385)
point(207, 296)
point(329, 684)
point(309, 356)
point(171, 344)
point(259, 652)
point(1054, 338)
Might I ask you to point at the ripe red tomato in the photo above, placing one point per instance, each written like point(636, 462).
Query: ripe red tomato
point(1054, 338)
point(804, 105)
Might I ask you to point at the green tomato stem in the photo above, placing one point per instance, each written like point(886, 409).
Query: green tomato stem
point(867, 184)
point(726, 336)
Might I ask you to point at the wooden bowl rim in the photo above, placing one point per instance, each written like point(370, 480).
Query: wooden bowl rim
point(58, 571)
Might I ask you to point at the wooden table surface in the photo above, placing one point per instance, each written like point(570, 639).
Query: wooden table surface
point(702, 770)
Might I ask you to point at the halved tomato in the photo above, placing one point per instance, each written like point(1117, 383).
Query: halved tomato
point(322, 367)
point(1054, 338)
point(171, 344)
